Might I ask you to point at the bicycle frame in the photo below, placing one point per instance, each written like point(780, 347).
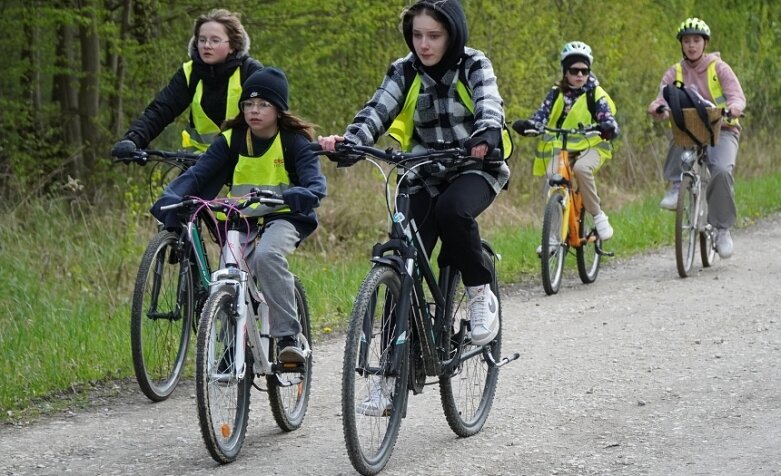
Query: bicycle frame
point(251, 309)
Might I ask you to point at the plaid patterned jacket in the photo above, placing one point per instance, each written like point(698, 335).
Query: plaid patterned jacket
point(441, 120)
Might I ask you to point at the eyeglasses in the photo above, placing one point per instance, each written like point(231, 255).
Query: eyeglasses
point(213, 42)
point(259, 105)
point(576, 71)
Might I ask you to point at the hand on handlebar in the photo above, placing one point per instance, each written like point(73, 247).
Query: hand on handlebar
point(127, 150)
point(527, 127)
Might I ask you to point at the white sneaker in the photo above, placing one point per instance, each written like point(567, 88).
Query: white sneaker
point(483, 314)
point(553, 245)
point(604, 230)
point(723, 243)
point(378, 402)
point(670, 199)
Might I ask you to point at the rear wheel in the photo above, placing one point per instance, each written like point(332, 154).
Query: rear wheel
point(468, 393)
point(686, 226)
point(161, 316)
point(288, 392)
point(373, 400)
point(223, 399)
point(554, 244)
point(588, 257)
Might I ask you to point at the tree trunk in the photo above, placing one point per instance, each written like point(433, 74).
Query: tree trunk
point(89, 92)
point(118, 66)
point(66, 95)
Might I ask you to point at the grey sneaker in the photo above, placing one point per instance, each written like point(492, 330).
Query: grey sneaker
point(290, 352)
point(483, 314)
point(723, 242)
point(378, 402)
point(670, 200)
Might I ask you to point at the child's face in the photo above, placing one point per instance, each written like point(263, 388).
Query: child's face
point(693, 46)
point(430, 39)
point(261, 116)
point(577, 74)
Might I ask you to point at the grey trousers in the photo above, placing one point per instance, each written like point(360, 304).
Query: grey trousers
point(267, 261)
point(720, 194)
point(585, 166)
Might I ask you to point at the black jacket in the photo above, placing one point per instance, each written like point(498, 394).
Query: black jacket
point(177, 96)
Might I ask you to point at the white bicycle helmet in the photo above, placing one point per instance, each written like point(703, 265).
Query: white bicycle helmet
point(576, 48)
point(693, 26)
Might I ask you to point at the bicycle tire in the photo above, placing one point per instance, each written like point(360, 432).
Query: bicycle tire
point(288, 393)
point(223, 401)
point(552, 256)
point(587, 256)
point(686, 226)
point(161, 317)
point(370, 438)
point(468, 394)
point(707, 246)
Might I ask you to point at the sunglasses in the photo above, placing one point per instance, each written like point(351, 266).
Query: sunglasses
point(576, 71)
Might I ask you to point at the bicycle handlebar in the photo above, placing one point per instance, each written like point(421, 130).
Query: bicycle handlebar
point(541, 129)
point(225, 205)
point(725, 112)
point(179, 158)
point(348, 154)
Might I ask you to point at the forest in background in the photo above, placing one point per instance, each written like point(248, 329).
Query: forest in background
point(77, 73)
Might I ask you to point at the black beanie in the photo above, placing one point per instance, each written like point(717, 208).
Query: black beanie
point(267, 83)
point(572, 59)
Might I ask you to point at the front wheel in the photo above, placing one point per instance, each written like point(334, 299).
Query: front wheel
point(707, 246)
point(374, 396)
point(587, 254)
point(467, 394)
point(288, 392)
point(554, 245)
point(223, 399)
point(686, 225)
point(161, 316)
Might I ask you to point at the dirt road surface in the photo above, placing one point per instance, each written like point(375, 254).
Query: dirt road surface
point(641, 373)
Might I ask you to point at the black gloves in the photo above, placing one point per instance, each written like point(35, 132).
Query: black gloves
point(608, 130)
point(490, 137)
point(300, 199)
point(525, 126)
point(124, 149)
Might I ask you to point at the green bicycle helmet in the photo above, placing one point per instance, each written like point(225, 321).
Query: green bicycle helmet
point(693, 26)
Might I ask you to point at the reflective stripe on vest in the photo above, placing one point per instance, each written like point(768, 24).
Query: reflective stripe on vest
point(205, 130)
point(550, 145)
point(714, 88)
point(266, 172)
point(401, 129)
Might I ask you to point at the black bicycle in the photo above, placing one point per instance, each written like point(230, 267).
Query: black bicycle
point(170, 289)
point(406, 326)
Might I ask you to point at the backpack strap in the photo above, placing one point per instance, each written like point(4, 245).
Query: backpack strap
point(288, 146)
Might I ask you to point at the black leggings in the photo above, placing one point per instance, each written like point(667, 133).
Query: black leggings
point(451, 216)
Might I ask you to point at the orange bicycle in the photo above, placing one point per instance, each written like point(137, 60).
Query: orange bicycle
point(566, 223)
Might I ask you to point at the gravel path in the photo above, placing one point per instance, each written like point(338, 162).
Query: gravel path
point(641, 373)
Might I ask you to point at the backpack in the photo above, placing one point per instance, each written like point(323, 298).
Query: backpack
point(591, 102)
point(680, 97)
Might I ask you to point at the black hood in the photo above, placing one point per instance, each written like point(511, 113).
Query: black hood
point(455, 22)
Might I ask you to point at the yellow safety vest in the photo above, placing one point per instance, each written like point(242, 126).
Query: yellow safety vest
point(403, 126)
point(205, 130)
point(550, 145)
point(714, 88)
point(266, 172)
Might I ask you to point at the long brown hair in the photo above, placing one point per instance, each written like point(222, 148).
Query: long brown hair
point(285, 120)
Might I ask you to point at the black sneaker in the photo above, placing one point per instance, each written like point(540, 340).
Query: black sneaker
point(290, 352)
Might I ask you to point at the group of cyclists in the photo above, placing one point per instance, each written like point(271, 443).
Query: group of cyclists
point(442, 94)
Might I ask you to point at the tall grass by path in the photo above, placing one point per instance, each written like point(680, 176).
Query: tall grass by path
point(66, 276)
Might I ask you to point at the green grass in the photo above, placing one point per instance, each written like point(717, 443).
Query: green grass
point(66, 279)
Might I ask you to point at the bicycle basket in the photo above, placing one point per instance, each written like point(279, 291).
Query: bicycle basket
point(697, 128)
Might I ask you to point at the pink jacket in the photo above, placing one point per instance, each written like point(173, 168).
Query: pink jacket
point(695, 75)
